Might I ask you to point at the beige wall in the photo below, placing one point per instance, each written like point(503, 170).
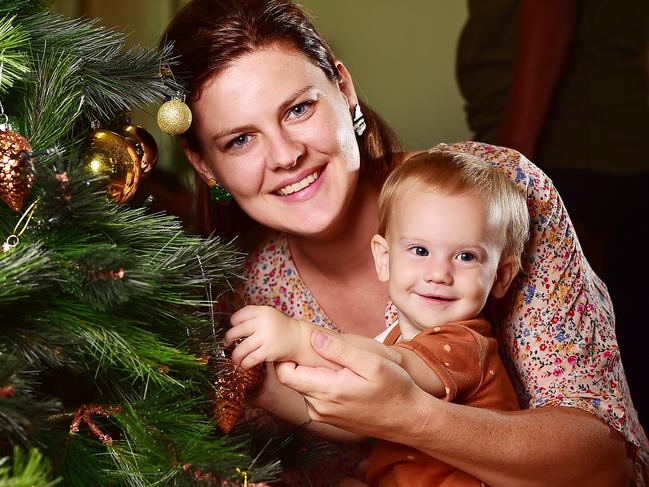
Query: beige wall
point(401, 54)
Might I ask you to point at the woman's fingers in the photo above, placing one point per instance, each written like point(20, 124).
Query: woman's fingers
point(306, 380)
point(341, 397)
point(362, 362)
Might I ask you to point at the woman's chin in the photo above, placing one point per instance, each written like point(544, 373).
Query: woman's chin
point(310, 226)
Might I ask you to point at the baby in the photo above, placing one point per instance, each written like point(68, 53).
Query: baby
point(451, 234)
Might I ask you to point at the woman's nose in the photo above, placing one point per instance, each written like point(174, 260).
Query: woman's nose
point(285, 151)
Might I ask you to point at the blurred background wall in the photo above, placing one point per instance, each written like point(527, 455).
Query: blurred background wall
point(401, 57)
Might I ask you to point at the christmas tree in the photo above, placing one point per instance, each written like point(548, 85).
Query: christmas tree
point(108, 339)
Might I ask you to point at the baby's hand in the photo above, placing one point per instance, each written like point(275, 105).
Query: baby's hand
point(270, 336)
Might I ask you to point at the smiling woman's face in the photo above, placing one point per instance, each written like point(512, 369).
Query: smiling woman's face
point(278, 135)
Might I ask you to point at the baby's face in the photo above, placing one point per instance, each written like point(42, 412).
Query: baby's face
point(442, 257)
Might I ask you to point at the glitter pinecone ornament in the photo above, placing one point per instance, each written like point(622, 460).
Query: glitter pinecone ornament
point(231, 389)
point(15, 172)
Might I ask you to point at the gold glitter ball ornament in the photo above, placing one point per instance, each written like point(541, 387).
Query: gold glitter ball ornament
point(174, 117)
point(15, 174)
point(112, 155)
point(144, 143)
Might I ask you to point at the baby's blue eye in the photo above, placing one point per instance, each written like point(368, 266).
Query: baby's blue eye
point(420, 251)
point(465, 257)
point(298, 109)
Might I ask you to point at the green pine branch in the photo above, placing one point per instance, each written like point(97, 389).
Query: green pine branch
point(24, 273)
point(103, 303)
point(13, 59)
point(116, 79)
point(22, 413)
point(151, 424)
point(112, 344)
point(52, 99)
point(26, 470)
point(22, 7)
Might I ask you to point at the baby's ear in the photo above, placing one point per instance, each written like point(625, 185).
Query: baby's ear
point(381, 253)
point(507, 271)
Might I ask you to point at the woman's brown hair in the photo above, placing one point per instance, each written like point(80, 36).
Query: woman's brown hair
point(208, 35)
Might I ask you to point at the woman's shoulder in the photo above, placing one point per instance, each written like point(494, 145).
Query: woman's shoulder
point(492, 153)
point(267, 271)
point(272, 279)
point(267, 261)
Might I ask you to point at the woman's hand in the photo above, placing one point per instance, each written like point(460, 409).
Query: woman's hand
point(371, 395)
point(365, 396)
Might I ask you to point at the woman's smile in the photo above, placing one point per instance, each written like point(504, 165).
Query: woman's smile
point(294, 137)
point(292, 188)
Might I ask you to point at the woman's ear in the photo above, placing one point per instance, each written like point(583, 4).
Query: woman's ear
point(346, 85)
point(381, 253)
point(507, 271)
point(198, 162)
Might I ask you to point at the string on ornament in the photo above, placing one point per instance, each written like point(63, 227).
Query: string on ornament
point(13, 239)
point(174, 116)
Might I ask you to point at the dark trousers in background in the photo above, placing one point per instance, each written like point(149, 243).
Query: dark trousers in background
point(610, 213)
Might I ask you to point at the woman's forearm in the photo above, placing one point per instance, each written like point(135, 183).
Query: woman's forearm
point(549, 446)
point(289, 406)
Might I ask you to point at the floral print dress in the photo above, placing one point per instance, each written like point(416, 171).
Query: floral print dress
point(556, 328)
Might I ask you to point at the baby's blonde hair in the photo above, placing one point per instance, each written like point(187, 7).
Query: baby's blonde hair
point(456, 173)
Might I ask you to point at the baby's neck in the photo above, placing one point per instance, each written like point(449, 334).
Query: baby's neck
point(409, 330)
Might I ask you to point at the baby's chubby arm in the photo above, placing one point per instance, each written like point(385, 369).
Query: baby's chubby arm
point(271, 336)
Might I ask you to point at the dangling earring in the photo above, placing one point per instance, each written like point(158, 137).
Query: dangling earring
point(359, 120)
point(218, 193)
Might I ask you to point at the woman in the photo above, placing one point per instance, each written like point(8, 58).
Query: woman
point(277, 123)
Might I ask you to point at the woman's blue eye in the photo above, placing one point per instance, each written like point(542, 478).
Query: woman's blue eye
point(239, 141)
point(465, 256)
point(299, 110)
point(420, 251)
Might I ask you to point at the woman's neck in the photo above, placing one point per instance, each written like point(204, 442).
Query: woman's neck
point(347, 248)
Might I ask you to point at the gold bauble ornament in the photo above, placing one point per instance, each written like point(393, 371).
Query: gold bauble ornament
point(174, 117)
point(144, 143)
point(111, 155)
point(15, 174)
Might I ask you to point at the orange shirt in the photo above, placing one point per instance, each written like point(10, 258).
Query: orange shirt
point(465, 356)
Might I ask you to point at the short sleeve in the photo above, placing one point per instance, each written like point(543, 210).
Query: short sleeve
point(557, 326)
point(465, 358)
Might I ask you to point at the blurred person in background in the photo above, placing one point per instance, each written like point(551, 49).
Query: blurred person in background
point(565, 82)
